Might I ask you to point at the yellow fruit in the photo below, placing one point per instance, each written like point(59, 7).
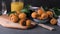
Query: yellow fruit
point(44, 16)
point(40, 11)
point(49, 13)
point(22, 15)
point(34, 15)
point(53, 21)
point(13, 17)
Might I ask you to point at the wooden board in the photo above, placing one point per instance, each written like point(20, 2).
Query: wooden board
point(5, 22)
point(4, 16)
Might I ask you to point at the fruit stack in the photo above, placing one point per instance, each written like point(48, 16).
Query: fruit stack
point(42, 16)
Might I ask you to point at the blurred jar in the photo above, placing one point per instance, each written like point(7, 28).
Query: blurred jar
point(17, 5)
point(4, 10)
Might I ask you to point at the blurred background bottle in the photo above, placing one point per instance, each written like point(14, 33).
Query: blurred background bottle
point(17, 5)
point(4, 9)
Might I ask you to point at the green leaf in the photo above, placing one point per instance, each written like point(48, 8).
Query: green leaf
point(55, 9)
point(25, 10)
point(45, 8)
point(27, 6)
point(57, 12)
point(11, 12)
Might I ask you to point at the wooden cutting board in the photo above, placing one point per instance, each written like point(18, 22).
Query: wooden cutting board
point(4, 16)
point(5, 22)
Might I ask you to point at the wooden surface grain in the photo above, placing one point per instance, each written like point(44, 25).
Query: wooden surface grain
point(5, 22)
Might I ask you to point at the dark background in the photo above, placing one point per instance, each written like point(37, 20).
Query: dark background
point(48, 3)
point(0, 4)
point(37, 30)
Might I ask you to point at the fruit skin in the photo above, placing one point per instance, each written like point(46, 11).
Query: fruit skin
point(40, 11)
point(39, 17)
point(34, 15)
point(22, 22)
point(44, 16)
point(18, 12)
point(13, 18)
point(28, 23)
point(53, 21)
point(49, 13)
point(22, 16)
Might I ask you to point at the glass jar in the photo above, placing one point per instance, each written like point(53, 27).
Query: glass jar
point(4, 9)
point(17, 5)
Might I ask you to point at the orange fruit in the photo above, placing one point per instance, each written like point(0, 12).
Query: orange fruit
point(53, 21)
point(22, 15)
point(40, 11)
point(28, 23)
point(22, 22)
point(44, 16)
point(49, 13)
point(13, 17)
point(34, 15)
point(39, 17)
point(18, 12)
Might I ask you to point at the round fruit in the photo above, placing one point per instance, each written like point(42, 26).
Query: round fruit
point(25, 22)
point(13, 17)
point(53, 21)
point(22, 15)
point(18, 12)
point(28, 23)
point(44, 16)
point(40, 11)
point(22, 22)
point(34, 15)
point(50, 14)
point(39, 17)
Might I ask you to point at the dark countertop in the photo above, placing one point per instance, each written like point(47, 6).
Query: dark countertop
point(37, 30)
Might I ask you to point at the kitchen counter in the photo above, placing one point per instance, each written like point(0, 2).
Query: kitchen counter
point(36, 30)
